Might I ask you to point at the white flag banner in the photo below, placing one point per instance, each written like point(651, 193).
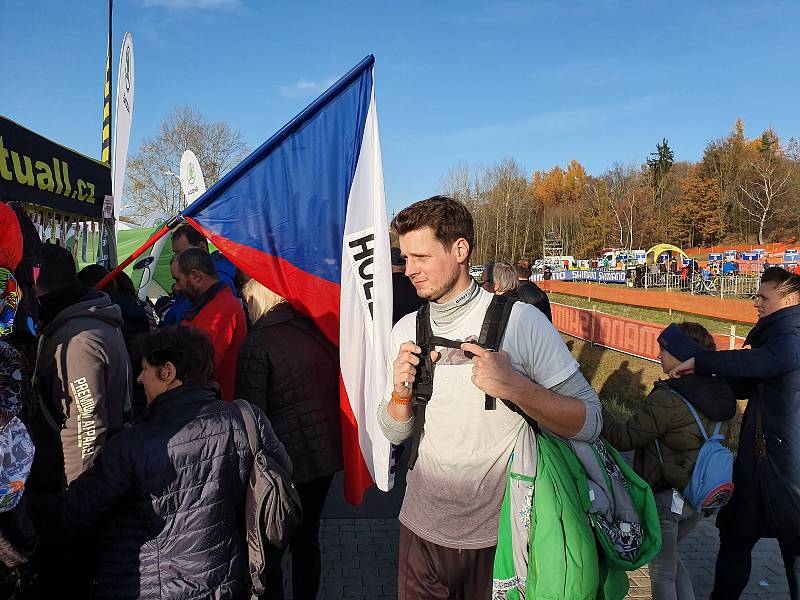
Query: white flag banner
point(156, 219)
point(366, 302)
point(122, 121)
point(192, 182)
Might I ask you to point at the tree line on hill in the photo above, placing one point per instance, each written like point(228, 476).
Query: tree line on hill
point(741, 191)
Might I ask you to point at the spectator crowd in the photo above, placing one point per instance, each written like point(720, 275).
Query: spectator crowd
point(127, 468)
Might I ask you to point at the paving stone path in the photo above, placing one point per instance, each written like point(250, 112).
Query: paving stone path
point(360, 562)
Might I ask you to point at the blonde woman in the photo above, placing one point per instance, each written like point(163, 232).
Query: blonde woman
point(291, 371)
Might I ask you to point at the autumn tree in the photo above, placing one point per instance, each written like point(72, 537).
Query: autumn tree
point(595, 222)
point(560, 194)
point(151, 184)
point(697, 211)
point(741, 190)
point(724, 161)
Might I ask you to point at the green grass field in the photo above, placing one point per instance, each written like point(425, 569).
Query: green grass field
point(651, 315)
point(622, 381)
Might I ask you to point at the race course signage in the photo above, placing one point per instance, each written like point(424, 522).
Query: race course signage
point(636, 338)
point(34, 169)
point(583, 275)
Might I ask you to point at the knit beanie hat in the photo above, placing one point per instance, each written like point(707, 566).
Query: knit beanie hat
point(681, 346)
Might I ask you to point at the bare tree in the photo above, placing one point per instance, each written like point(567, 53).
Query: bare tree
point(767, 181)
point(624, 186)
point(508, 185)
point(218, 147)
point(456, 184)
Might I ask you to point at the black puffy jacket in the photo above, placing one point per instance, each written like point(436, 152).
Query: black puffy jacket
point(531, 293)
point(766, 474)
point(290, 370)
point(167, 499)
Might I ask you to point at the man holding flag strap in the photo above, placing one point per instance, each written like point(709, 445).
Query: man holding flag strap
point(449, 520)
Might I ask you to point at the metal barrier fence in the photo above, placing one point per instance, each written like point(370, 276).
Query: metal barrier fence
point(666, 280)
point(731, 286)
point(723, 286)
point(726, 309)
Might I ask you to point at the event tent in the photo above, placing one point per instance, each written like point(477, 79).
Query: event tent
point(38, 171)
point(131, 239)
point(658, 249)
point(62, 190)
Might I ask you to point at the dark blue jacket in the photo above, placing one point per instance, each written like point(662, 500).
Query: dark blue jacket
point(167, 499)
point(766, 499)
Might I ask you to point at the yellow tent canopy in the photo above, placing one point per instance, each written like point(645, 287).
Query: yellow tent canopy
point(659, 248)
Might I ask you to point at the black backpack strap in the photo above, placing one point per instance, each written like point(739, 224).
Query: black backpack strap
point(249, 418)
point(423, 381)
point(493, 328)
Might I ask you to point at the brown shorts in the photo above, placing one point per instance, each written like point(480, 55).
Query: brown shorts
point(428, 571)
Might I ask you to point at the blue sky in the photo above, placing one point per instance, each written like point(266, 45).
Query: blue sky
point(545, 82)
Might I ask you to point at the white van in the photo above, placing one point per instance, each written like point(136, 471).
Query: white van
point(560, 262)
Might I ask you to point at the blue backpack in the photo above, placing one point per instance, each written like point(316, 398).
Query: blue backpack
point(711, 485)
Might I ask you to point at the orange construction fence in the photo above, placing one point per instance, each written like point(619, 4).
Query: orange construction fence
point(742, 311)
point(617, 333)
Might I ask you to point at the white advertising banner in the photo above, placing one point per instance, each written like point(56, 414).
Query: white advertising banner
point(122, 121)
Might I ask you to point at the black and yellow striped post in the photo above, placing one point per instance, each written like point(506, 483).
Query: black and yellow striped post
point(106, 153)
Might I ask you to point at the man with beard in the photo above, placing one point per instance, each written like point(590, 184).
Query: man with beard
point(450, 514)
point(214, 310)
point(183, 238)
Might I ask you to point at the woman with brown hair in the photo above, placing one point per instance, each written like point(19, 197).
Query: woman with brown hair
point(766, 474)
point(166, 496)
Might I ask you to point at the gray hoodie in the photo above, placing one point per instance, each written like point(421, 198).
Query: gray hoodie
point(83, 383)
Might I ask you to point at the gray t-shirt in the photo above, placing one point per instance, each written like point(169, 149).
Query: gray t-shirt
point(455, 490)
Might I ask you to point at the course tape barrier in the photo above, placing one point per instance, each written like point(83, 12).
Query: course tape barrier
point(618, 333)
point(727, 309)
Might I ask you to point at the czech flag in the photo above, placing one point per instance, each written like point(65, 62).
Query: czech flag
point(305, 215)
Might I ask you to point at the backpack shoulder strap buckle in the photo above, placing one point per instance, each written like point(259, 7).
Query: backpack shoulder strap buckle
point(492, 330)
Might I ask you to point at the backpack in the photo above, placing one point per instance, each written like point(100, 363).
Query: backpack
point(272, 508)
point(494, 325)
point(711, 485)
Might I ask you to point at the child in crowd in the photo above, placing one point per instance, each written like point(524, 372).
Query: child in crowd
point(665, 424)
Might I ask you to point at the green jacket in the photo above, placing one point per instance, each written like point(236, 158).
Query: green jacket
point(546, 548)
point(665, 417)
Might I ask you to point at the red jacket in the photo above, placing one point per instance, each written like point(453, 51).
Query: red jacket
point(221, 315)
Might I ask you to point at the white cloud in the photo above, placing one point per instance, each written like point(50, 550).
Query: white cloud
point(305, 88)
point(194, 4)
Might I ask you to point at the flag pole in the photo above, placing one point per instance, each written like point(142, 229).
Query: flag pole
point(165, 229)
point(105, 154)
